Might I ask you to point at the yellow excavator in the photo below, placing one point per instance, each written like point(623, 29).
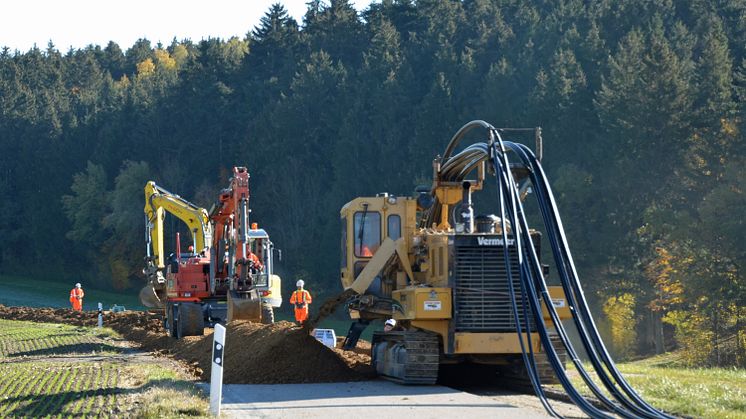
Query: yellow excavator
point(471, 289)
point(440, 271)
point(228, 271)
point(158, 202)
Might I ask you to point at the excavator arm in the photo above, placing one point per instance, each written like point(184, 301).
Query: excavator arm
point(383, 256)
point(380, 259)
point(158, 201)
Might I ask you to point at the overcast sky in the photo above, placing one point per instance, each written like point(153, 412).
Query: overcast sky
point(78, 23)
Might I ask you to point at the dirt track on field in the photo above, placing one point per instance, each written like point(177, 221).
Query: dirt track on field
point(255, 353)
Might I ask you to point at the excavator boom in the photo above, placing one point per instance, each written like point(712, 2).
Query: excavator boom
point(158, 201)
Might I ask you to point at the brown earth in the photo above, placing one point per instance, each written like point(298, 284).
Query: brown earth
point(255, 353)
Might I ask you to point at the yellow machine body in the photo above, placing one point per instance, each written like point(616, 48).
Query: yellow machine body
point(386, 256)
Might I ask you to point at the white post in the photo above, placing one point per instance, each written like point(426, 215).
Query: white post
point(100, 315)
point(216, 376)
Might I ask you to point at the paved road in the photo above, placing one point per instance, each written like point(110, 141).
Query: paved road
point(362, 400)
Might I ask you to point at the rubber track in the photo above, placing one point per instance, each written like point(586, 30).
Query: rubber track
point(520, 377)
point(422, 356)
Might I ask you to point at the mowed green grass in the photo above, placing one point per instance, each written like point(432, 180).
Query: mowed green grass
point(59, 389)
point(24, 339)
point(32, 292)
point(45, 371)
point(696, 392)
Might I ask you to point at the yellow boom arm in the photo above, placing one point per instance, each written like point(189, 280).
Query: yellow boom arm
point(380, 259)
point(157, 202)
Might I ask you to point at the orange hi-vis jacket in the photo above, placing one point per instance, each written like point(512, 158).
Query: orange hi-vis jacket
point(301, 299)
point(76, 298)
point(255, 260)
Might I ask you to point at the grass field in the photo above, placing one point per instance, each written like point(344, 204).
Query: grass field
point(19, 339)
point(46, 370)
point(695, 392)
point(18, 291)
point(66, 389)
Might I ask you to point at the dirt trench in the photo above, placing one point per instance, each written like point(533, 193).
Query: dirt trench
point(280, 353)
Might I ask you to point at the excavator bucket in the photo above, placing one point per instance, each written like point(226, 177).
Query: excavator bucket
point(150, 298)
point(244, 306)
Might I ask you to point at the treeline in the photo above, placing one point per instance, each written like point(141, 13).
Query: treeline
point(641, 104)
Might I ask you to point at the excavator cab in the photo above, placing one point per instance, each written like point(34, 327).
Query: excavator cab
point(262, 292)
point(366, 224)
point(374, 230)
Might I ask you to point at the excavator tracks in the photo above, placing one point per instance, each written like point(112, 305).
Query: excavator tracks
point(518, 376)
point(406, 357)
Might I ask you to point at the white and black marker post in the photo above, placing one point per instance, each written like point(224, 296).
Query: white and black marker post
point(216, 376)
point(100, 315)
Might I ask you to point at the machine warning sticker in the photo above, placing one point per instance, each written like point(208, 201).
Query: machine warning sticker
point(558, 302)
point(432, 305)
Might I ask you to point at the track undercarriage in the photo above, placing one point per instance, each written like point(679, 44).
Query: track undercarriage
point(407, 357)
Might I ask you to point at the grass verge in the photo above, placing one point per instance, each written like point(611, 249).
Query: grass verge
point(697, 392)
point(166, 395)
point(32, 383)
point(28, 339)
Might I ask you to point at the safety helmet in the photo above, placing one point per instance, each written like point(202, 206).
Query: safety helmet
point(391, 322)
point(77, 285)
point(300, 283)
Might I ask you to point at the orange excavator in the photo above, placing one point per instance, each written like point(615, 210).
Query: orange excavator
point(229, 273)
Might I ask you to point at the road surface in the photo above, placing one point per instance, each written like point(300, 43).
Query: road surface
point(371, 399)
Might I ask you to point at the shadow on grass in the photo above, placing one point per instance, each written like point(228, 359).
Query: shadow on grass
point(74, 332)
point(70, 349)
point(43, 405)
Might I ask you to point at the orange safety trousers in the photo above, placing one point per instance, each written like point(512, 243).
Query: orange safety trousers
point(301, 299)
point(76, 299)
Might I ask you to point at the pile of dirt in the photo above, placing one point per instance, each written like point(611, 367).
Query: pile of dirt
point(270, 354)
point(255, 353)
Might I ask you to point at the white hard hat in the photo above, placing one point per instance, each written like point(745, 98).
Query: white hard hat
point(300, 283)
point(391, 322)
point(77, 285)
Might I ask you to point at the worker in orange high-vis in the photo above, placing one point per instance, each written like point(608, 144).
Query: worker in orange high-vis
point(76, 297)
point(301, 299)
point(256, 264)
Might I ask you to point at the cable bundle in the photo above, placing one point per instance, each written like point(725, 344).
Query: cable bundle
point(626, 402)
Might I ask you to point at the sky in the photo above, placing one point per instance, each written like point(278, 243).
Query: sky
point(78, 23)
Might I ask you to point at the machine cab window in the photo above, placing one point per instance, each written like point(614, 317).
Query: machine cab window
point(393, 227)
point(367, 233)
point(257, 248)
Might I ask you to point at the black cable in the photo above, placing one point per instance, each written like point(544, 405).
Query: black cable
point(571, 351)
point(529, 360)
point(503, 171)
point(455, 168)
point(571, 281)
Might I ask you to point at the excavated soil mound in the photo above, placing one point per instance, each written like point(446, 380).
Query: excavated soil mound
point(255, 353)
point(276, 353)
point(126, 321)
